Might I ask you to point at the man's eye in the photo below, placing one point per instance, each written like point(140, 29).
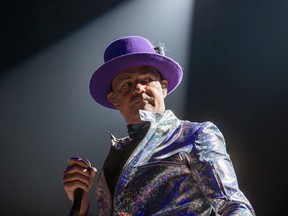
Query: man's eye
point(126, 85)
point(148, 80)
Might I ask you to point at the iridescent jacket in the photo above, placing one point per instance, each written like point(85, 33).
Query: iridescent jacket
point(179, 168)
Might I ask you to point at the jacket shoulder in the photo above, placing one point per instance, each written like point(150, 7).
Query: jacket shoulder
point(197, 126)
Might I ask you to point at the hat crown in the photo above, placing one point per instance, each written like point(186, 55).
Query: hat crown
point(128, 45)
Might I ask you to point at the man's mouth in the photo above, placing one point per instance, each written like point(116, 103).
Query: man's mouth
point(145, 99)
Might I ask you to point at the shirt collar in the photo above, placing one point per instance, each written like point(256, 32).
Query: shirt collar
point(151, 116)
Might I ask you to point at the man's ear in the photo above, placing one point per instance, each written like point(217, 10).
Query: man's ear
point(112, 99)
point(164, 85)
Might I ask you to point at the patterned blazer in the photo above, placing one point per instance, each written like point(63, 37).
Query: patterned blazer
point(179, 168)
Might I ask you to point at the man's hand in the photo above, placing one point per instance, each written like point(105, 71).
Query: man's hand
point(79, 174)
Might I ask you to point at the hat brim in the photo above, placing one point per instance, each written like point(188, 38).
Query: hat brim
point(102, 77)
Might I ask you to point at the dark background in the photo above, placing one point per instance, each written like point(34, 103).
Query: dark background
point(239, 78)
point(236, 76)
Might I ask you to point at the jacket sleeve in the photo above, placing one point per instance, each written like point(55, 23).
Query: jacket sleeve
point(213, 171)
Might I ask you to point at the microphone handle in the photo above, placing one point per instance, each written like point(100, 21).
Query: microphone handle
point(78, 193)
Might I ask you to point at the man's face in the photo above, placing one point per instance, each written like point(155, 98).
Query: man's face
point(138, 88)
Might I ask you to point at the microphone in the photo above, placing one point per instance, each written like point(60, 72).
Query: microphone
point(78, 193)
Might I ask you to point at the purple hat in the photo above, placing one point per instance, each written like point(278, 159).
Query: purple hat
point(129, 52)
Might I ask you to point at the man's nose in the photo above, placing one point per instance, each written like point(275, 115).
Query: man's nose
point(139, 88)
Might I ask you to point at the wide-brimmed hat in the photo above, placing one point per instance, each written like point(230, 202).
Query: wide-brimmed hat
point(127, 52)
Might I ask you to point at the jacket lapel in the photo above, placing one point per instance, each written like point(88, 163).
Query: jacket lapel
point(162, 127)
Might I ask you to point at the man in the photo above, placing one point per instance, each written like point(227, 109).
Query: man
point(166, 166)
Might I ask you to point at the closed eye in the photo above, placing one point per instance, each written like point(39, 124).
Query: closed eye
point(147, 80)
point(125, 85)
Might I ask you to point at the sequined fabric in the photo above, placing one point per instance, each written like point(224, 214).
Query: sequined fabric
point(179, 168)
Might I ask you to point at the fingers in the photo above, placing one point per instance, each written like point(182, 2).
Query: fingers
point(76, 169)
point(80, 161)
point(93, 171)
point(73, 179)
point(78, 174)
